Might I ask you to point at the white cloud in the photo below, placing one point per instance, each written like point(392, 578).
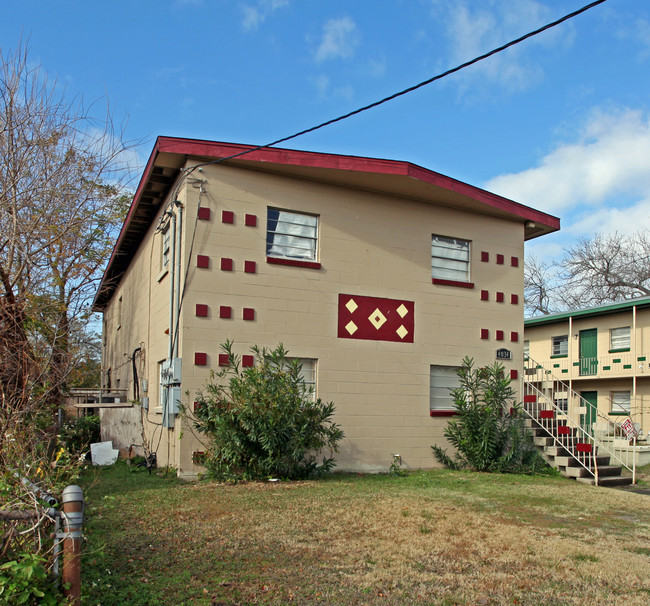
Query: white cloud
point(254, 16)
point(478, 29)
point(325, 90)
point(340, 38)
point(609, 161)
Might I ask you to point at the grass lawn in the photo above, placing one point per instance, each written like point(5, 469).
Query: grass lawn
point(434, 537)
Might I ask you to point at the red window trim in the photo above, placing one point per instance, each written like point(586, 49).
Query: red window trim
point(294, 262)
point(443, 413)
point(452, 283)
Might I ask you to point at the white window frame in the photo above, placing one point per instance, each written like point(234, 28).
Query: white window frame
point(309, 375)
point(441, 380)
point(291, 235)
point(562, 404)
point(619, 338)
point(560, 345)
point(526, 349)
point(450, 258)
point(621, 401)
point(165, 248)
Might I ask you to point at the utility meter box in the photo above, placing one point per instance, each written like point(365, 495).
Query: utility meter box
point(170, 371)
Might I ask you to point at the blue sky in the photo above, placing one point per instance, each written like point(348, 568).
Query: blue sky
point(560, 122)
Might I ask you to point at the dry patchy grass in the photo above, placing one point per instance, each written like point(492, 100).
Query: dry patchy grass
point(435, 537)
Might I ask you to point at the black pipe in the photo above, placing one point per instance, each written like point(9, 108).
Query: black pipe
point(136, 383)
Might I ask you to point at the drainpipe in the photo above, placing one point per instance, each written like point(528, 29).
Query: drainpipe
point(177, 284)
point(172, 279)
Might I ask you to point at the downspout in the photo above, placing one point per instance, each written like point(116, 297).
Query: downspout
point(177, 283)
point(172, 280)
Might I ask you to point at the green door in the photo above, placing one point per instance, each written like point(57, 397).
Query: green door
point(591, 404)
point(588, 352)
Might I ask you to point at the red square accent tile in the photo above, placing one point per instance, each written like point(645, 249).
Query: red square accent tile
point(225, 311)
point(247, 361)
point(485, 256)
point(514, 299)
point(499, 297)
point(204, 213)
point(202, 261)
point(251, 221)
point(250, 267)
point(514, 337)
point(201, 310)
point(485, 333)
point(249, 313)
point(499, 336)
point(226, 264)
point(514, 261)
point(485, 295)
point(200, 359)
point(500, 259)
point(514, 374)
point(224, 360)
point(227, 216)
point(197, 405)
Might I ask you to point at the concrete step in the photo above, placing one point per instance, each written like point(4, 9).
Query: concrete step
point(578, 472)
point(609, 470)
point(543, 441)
point(556, 451)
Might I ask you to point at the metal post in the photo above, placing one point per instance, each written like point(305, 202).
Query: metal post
point(72, 521)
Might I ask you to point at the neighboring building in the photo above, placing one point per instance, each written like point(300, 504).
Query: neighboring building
point(603, 354)
point(379, 275)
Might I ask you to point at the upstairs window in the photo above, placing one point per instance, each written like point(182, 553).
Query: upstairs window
point(443, 380)
point(449, 259)
point(291, 235)
point(619, 338)
point(165, 248)
point(560, 345)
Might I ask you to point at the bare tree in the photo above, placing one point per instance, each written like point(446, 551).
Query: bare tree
point(538, 287)
point(62, 196)
point(595, 271)
point(607, 268)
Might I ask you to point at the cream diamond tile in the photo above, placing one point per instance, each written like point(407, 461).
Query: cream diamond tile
point(377, 319)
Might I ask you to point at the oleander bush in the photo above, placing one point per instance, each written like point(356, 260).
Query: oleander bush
point(488, 434)
point(264, 421)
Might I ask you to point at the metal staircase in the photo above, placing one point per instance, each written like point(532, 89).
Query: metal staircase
point(571, 434)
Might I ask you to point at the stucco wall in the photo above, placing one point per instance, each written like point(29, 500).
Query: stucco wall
point(369, 245)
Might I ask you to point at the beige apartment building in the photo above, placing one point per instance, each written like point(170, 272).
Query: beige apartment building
point(602, 354)
point(379, 275)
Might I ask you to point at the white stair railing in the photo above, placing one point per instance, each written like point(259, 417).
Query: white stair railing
point(604, 435)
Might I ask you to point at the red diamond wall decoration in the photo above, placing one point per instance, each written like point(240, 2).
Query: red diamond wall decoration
point(376, 319)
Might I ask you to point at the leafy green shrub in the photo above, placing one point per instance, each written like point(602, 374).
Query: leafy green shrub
point(24, 581)
point(263, 421)
point(78, 433)
point(488, 433)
